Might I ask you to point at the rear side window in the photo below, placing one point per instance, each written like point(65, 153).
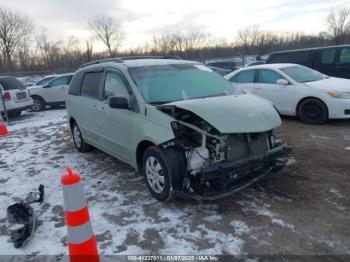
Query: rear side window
point(44, 81)
point(268, 77)
point(328, 56)
point(65, 80)
point(344, 55)
point(11, 83)
point(91, 85)
point(244, 77)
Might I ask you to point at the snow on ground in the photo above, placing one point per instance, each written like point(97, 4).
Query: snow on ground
point(270, 218)
point(347, 148)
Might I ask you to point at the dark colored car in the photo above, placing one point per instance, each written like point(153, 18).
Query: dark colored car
point(330, 60)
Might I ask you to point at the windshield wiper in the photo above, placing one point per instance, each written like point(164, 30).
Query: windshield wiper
point(160, 102)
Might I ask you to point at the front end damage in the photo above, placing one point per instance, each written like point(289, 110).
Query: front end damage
point(221, 164)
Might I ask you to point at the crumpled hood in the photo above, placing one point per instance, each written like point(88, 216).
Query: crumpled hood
point(331, 84)
point(234, 113)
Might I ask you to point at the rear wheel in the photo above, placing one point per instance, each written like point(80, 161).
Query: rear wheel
point(163, 171)
point(38, 104)
point(313, 111)
point(78, 140)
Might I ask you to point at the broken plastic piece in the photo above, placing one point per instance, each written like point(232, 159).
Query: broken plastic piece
point(21, 213)
point(36, 196)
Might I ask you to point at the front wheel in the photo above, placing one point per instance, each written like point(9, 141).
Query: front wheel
point(78, 140)
point(163, 171)
point(313, 111)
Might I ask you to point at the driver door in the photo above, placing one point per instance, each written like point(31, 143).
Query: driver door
point(282, 96)
point(117, 127)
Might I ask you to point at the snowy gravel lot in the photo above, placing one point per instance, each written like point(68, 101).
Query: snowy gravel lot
point(303, 210)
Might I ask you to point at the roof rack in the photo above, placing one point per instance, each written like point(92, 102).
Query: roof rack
point(149, 57)
point(122, 59)
point(113, 59)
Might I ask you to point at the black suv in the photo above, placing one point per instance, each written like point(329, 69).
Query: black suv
point(330, 60)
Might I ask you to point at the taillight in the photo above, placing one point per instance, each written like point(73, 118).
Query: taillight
point(6, 96)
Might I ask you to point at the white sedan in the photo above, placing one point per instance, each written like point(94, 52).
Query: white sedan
point(296, 90)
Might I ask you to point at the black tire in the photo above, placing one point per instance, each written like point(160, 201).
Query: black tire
point(14, 113)
point(39, 104)
point(173, 167)
point(313, 111)
point(78, 139)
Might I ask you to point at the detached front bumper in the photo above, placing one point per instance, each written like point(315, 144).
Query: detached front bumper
point(223, 179)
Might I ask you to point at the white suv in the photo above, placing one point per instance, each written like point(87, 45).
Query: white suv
point(52, 93)
point(13, 96)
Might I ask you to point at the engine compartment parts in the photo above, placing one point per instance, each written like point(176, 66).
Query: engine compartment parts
point(23, 214)
point(22, 218)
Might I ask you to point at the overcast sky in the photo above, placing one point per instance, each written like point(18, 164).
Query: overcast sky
point(142, 18)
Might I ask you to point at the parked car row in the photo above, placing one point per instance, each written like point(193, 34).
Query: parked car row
point(16, 97)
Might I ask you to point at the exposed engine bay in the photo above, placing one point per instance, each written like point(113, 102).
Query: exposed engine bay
point(208, 151)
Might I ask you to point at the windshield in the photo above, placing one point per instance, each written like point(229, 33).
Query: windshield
point(303, 74)
point(162, 84)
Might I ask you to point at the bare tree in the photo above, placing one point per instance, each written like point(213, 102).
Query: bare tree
point(50, 50)
point(88, 49)
point(338, 24)
point(109, 30)
point(14, 27)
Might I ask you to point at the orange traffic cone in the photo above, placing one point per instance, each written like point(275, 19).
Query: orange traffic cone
point(3, 128)
point(82, 244)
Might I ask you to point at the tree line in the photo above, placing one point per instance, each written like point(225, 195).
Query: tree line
point(22, 50)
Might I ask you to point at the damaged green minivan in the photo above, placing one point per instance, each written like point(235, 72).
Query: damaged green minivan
point(177, 122)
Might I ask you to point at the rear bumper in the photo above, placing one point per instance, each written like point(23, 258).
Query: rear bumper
point(234, 176)
point(16, 106)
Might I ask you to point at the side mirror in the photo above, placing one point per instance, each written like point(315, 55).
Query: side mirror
point(120, 102)
point(283, 82)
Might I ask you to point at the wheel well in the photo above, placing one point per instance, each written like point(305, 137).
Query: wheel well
point(71, 122)
point(141, 148)
point(38, 97)
point(306, 98)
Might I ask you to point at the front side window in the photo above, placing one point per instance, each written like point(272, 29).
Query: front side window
point(160, 84)
point(268, 77)
point(65, 80)
point(90, 86)
point(344, 55)
point(115, 86)
point(328, 56)
point(244, 77)
point(303, 74)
